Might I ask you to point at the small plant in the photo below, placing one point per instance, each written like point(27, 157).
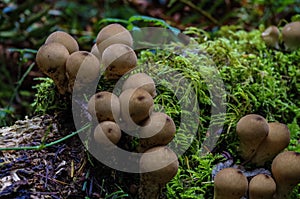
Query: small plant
point(47, 98)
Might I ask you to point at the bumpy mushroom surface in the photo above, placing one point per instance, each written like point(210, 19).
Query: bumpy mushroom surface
point(104, 106)
point(158, 166)
point(118, 59)
point(271, 36)
point(51, 59)
point(83, 67)
point(251, 129)
point(65, 39)
point(286, 173)
point(140, 80)
point(277, 140)
point(158, 130)
point(113, 34)
point(230, 183)
point(136, 106)
point(107, 133)
point(262, 186)
point(291, 35)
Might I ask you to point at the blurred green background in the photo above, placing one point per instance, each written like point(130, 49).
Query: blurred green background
point(24, 26)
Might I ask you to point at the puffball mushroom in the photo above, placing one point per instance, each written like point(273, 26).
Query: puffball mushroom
point(158, 166)
point(140, 80)
point(291, 35)
point(65, 39)
point(96, 52)
point(262, 186)
point(159, 129)
point(51, 59)
point(277, 140)
point(113, 34)
point(251, 129)
point(107, 133)
point(286, 173)
point(105, 106)
point(83, 67)
point(230, 183)
point(118, 59)
point(271, 36)
point(136, 106)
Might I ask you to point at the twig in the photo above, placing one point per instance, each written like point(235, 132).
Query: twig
point(202, 12)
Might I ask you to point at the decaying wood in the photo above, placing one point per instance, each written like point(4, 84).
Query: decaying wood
point(53, 172)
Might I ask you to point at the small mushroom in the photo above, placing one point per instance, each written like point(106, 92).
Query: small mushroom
point(107, 133)
point(136, 106)
point(140, 80)
point(158, 166)
point(118, 59)
point(262, 186)
point(158, 130)
point(113, 34)
point(271, 36)
point(291, 35)
point(251, 129)
point(65, 39)
point(230, 183)
point(104, 106)
point(286, 173)
point(83, 67)
point(51, 59)
point(277, 140)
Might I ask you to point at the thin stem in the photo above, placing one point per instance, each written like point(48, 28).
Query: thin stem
point(202, 12)
point(42, 146)
point(20, 83)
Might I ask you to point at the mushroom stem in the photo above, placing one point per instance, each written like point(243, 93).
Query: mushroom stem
point(148, 189)
point(286, 173)
point(283, 191)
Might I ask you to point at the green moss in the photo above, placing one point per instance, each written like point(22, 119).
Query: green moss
point(257, 79)
point(231, 68)
point(47, 99)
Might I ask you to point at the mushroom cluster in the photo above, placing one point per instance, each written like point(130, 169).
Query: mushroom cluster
point(60, 58)
point(289, 36)
point(260, 141)
point(132, 112)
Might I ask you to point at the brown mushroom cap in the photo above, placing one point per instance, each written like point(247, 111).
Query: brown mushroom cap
point(83, 67)
point(159, 162)
point(65, 39)
point(262, 186)
point(107, 133)
point(158, 166)
point(277, 140)
point(113, 34)
point(230, 183)
point(104, 106)
point(51, 59)
point(251, 130)
point(136, 106)
point(291, 35)
point(159, 129)
point(271, 36)
point(118, 59)
point(140, 80)
point(286, 173)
